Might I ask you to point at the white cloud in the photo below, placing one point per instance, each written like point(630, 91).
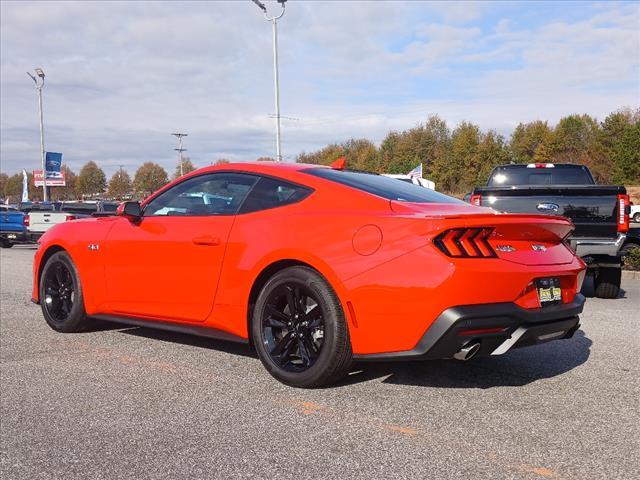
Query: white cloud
point(121, 76)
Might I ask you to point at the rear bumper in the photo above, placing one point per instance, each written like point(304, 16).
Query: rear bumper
point(15, 237)
point(585, 247)
point(457, 327)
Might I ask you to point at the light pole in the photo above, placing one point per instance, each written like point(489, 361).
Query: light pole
point(180, 149)
point(276, 81)
point(38, 79)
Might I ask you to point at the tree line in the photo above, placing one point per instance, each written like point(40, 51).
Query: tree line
point(91, 182)
point(456, 160)
point(459, 159)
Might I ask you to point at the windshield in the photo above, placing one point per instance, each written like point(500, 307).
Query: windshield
point(385, 187)
point(514, 175)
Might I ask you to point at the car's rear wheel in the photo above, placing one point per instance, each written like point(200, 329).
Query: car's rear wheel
point(299, 329)
point(61, 295)
point(607, 282)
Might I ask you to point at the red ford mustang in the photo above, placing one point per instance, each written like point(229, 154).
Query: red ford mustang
point(315, 267)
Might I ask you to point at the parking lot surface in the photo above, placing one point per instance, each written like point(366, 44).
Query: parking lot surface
point(123, 402)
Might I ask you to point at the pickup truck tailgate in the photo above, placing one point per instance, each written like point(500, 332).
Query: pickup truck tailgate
point(40, 222)
point(592, 209)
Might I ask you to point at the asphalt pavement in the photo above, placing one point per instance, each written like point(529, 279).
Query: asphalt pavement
point(134, 403)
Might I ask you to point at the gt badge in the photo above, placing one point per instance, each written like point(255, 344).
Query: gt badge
point(539, 248)
point(93, 246)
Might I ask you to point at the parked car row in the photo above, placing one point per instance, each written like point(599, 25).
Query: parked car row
point(27, 222)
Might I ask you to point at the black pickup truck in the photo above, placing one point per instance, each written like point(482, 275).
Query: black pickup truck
point(600, 213)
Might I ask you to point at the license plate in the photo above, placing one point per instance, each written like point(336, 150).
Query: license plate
point(549, 291)
point(12, 236)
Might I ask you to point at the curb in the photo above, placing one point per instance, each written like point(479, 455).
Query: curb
point(631, 275)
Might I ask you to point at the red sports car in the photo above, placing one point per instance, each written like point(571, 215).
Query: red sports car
point(315, 267)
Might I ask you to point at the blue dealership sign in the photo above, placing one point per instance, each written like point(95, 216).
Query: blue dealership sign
point(53, 162)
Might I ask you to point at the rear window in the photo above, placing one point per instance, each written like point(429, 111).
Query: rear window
point(514, 175)
point(381, 186)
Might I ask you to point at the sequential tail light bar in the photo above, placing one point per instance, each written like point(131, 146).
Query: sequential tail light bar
point(623, 213)
point(465, 243)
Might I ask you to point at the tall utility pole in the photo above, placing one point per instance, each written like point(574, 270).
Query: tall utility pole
point(276, 80)
point(180, 149)
point(38, 79)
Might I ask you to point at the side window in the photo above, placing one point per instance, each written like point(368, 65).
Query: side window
point(212, 194)
point(271, 193)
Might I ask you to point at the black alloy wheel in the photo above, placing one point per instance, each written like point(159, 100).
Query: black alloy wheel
point(293, 327)
point(61, 296)
point(59, 291)
point(299, 329)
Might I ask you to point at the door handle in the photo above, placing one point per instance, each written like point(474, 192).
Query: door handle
point(206, 240)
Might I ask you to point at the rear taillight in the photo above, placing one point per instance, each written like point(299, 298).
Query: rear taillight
point(70, 217)
point(25, 221)
point(465, 243)
point(623, 213)
point(476, 200)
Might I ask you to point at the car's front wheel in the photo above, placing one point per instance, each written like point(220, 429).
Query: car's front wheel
point(299, 329)
point(61, 296)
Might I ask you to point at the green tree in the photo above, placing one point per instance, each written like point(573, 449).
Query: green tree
point(492, 151)
point(187, 167)
point(120, 185)
point(3, 184)
point(426, 144)
point(614, 141)
point(323, 156)
point(149, 178)
point(265, 159)
point(526, 139)
point(626, 156)
point(69, 191)
point(463, 160)
point(91, 180)
point(13, 188)
point(573, 138)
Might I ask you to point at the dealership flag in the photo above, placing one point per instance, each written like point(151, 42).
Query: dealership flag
point(25, 186)
point(53, 163)
point(416, 172)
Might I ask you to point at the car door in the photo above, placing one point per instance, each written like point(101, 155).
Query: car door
point(167, 265)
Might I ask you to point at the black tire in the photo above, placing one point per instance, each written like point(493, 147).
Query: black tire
point(636, 218)
point(6, 244)
point(311, 337)
point(607, 282)
point(61, 295)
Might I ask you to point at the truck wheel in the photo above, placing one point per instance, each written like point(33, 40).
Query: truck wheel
point(607, 282)
point(6, 244)
point(636, 218)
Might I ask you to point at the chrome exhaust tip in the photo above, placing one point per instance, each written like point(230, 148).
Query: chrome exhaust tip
point(467, 352)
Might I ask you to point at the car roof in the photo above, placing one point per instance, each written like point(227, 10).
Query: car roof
point(262, 167)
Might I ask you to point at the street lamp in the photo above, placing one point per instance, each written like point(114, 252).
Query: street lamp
point(180, 149)
point(38, 79)
point(276, 82)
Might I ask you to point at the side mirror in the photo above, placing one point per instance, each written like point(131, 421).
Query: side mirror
point(130, 210)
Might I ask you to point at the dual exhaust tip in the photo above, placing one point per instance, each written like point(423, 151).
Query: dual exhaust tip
point(467, 352)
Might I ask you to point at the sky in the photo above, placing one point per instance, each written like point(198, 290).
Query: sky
point(122, 76)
